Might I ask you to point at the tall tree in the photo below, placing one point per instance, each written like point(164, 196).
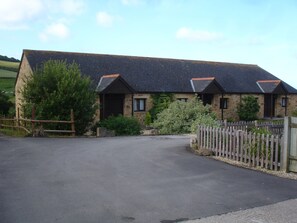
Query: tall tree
point(54, 89)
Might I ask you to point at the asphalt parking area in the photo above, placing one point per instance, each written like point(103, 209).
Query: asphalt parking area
point(124, 179)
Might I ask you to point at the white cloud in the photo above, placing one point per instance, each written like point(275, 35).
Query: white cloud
point(131, 2)
point(55, 30)
point(104, 19)
point(197, 35)
point(72, 7)
point(18, 14)
point(15, 14)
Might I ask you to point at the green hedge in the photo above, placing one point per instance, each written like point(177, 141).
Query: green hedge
point(121, 125)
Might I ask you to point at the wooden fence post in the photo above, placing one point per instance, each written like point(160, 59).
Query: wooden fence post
point(198, 136)
point(72, 122)
point(276, 153)
point(286, 145)
point(33, 118)
point(18, 117)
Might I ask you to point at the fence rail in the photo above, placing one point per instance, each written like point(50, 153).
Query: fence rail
point(29, 125)
point(276, 127)
point(254, 149)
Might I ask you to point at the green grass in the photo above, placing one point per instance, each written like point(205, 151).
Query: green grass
point(13, 66)
point(7, 73)
point(7, 85)
point(13, 132)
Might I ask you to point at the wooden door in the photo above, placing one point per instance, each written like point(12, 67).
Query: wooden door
point(269, 105)
point(113, 105)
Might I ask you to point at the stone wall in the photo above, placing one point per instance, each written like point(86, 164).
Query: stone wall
point(184, 96)
point(25, 73)
point(233, 100)
point(140, 115)
point(128, 105)
point(291, 106)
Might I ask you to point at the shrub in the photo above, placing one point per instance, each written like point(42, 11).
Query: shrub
point(294, 113)
point(148, 119)
point(5, 104)
point(261, 131)
point(184, 117)
point(248, 108)
point(121, 125)
point(54, 89)
point(160, 102)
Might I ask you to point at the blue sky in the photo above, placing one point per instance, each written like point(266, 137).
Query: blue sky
point(262, 32)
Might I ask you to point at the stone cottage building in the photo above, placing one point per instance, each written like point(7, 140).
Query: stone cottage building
point(125, 83)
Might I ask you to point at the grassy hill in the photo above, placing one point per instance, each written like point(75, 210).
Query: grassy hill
point(8, 72)
point(11, 66)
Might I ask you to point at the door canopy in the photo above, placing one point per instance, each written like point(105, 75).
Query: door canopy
point(113, 84)
point(206, 85)
point(272, 87)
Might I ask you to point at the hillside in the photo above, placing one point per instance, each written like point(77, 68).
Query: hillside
point(8, 65)
point(8, 72)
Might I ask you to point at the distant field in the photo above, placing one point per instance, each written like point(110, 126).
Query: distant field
point(12, 66)
point(7, 73)
point(9, 64)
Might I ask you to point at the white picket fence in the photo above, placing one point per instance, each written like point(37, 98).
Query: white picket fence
point(254, 149)
point(276, 126)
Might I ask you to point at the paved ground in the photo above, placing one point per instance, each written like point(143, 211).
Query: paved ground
point(275, 213)
point(125, 179)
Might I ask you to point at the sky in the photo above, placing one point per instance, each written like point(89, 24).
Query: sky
point(262, 32)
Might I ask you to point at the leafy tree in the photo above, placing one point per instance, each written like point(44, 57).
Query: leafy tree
point(184, 117)
point(160, 102)
point(54, 89)
point(248, 108)
point(5, 104)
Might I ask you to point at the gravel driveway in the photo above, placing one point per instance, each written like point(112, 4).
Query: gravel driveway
point(124, 179)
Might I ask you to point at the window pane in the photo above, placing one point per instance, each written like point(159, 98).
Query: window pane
point(223, 103)
point(141, 104)
point(135, 105)
point(284, 102)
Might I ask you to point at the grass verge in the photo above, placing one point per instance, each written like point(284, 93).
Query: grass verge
point(13, 132)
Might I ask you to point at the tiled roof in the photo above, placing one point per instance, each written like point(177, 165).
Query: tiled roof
point(271, 86)
point(146, 74)
point(206, 85)
point(113, 81)
point(105, 81)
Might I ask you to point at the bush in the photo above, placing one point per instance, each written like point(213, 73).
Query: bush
point(5, 104)
point(160, 103)
point(248, 108)
point(121, 125)
point(184, 117)
point(148, 119)
point(294, 113)
point(54, 89)
point(261, 131)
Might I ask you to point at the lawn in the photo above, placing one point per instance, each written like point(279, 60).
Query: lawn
point(7, 85)
point(7, 74)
